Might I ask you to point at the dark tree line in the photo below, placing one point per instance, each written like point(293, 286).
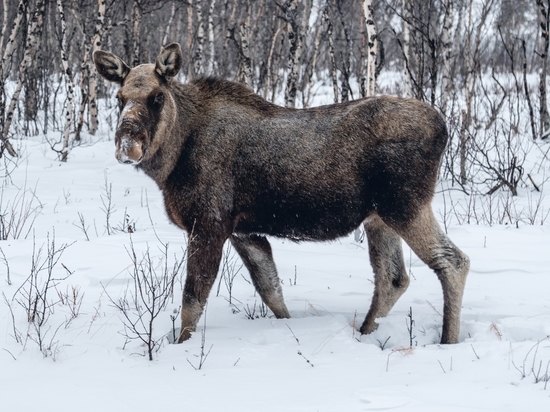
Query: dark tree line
point(454, 54)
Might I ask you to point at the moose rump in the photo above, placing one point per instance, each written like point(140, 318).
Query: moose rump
point(234, 166)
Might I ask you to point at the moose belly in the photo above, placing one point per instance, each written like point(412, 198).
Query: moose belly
point(317, 219)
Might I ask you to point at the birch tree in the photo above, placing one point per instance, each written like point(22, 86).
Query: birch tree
point(198, 57)
point(544, 40)
point(370, 79)
point(333, 67)
point(136, 35)
point(211, 49)
point(447, 44)
point(165, 38)
point(190, 32)
point(346, 57)
point(32, 42)
point(69, 110)
point(6, 60)
point(95, 44)
point(407, 83)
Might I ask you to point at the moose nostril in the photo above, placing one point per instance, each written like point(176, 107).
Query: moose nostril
point(127, 162)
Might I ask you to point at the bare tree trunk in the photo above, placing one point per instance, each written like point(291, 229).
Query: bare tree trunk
point(198, 57)
point(466, 113)
point(136, 37)
point(31, 46)
point(472, 55)
point(92, 82)
point(4, 23)
point(526, 89)
point(245, 54)
point(544, 17)
point(230, 28)
point(190, 32)
point(346, 57)
point(333, 67)
point(269, 63)
point(373, 47)
point(211, 53)
point(306, 96)
point(446, 83)
point(69, 111)
point(294, 33)
point(6, 60)
point(407, 82)
point(169, 25)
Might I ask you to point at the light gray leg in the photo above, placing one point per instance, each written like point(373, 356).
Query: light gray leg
point(255, 251)
point(390, 276)
point(451, 265)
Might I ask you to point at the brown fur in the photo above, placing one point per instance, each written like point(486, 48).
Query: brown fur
point(234, 166)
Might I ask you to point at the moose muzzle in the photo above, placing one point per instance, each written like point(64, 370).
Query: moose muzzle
point(130, 136)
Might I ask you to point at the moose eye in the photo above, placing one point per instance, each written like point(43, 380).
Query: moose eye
point(158, 99)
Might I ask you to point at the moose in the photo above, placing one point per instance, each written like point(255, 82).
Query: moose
point(233, 166)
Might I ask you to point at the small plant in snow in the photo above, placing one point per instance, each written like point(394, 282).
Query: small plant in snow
point(410, 326)
point(537, 367)
point(18, 213)
point(203, 354)
point(251, 311)
point(230, 270)
point(35, 296)
point(108, 207)
point(147, 296)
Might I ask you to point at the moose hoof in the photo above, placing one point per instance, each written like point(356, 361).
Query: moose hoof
point(367, 328)
point(184, 335)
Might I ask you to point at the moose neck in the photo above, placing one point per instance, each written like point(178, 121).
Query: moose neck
point(171, 140)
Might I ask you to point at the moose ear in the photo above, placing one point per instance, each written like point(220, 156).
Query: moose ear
point(169, 61)
point(110, 66)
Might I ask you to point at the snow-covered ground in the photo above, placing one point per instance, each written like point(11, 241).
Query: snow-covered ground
point(315, 361)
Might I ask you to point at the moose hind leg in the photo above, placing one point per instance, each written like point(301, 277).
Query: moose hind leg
point(390, 276)
point(255, 251)
point(451, 265)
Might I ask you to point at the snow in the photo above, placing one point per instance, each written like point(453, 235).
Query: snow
point(315, 361)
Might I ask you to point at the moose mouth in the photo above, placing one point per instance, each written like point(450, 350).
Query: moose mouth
point(129, 151)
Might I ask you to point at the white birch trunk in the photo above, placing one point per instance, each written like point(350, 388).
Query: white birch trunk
point(211, 50)
point(4, 23)
point(31, 46)
point(294, 37)
point(446, 83)
point(269, 62)
point(198, 57)
point(316, 42)
point(6, 58)
point(169, 25)
point(407, 82)
point(92, 83)
point(245, 50)
point(372, 47)
point(190, 32)
point(333, 68)
point(136, 36)
point(544, 10)
point(69, 110)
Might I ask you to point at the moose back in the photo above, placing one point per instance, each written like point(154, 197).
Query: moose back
point(231, 165)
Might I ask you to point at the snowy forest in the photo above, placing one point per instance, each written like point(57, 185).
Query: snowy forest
point(483, 64)
point(92, 272)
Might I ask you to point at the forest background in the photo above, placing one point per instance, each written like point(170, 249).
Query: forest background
point(482, 63)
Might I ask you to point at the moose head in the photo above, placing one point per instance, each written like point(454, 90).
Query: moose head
point(146, 104)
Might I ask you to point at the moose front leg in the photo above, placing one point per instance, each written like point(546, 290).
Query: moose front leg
point(203, 260)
